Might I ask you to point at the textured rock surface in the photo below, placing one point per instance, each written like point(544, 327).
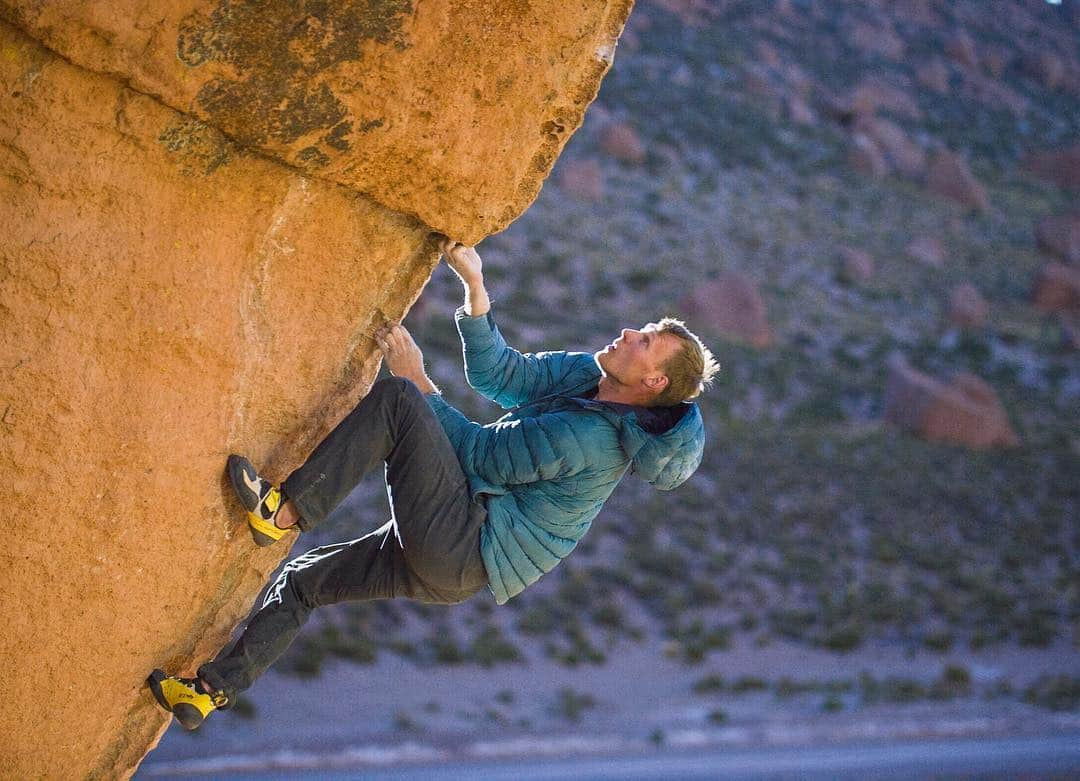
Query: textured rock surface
point(170, 295)
point(452, 111)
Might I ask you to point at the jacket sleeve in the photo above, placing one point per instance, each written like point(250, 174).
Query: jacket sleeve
point(504, 375)
point(511, 452)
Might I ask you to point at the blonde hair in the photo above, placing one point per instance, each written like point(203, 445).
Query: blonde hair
point(690, 370)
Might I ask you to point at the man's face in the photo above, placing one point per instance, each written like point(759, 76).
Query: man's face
point(636, 357)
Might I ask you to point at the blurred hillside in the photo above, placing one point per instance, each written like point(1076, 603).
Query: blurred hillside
point(819, 189)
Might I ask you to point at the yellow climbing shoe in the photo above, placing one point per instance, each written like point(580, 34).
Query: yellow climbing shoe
point(261, 498)
point(184, 698)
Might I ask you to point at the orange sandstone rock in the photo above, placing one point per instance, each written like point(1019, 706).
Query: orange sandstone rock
point(203, 217)
point(451, 111)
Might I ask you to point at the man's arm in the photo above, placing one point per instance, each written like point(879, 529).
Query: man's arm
point(467, 265)
point(493, 369)
point(513, 452)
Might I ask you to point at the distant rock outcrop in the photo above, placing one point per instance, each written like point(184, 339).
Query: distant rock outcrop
point(967, 307)
point(1060, 236)
point(206, 208)
point(1061, 166)
point(731, 306)
point(948, 175)
point(965, 412)
point(1057, 288)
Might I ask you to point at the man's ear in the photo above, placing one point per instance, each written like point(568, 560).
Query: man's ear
point(657, 383)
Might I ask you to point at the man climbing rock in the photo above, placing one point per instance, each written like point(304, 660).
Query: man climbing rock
point(472, 505)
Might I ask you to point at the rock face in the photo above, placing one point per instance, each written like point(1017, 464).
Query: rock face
point(965, 412)
point(412, 103)
point(181, 279)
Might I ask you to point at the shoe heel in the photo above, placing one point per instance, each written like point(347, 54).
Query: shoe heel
point(154, 682)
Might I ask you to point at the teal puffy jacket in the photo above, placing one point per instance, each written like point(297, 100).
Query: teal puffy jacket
point(547, 466)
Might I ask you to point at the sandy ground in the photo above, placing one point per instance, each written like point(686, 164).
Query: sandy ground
point(394, 712)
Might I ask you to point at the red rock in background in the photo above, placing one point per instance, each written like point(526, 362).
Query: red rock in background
point(1057, 288)
point(1061, 166)
point(1060, 236)
point(967, 307)
point(731, 306)
point(901, 153)
point(195, 249)
point(873, 93)
point(948, 175)
point(877, 39)
point(927, 250)
point(865, 156)
point(997, 59)
point(1045, 67)
point(961, 48)
point(622, 142)
point(857, 265)
point(583, 178)
point(934, 75)
point(965, 412)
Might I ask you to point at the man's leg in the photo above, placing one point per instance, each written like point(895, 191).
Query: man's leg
point(437, 524)
point(360, 442)
point(370, 567)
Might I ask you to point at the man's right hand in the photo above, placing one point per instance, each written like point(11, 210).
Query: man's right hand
point(463, 260)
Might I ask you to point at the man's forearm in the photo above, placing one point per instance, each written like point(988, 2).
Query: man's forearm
point(477, 302)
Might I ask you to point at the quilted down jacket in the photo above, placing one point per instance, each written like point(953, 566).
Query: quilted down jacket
point(546, 467)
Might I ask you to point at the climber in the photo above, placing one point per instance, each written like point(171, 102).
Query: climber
point(471, 505)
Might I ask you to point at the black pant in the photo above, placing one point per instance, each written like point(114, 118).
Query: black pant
point(435, 558)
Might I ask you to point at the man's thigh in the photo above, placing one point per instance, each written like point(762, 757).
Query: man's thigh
point(438, 523)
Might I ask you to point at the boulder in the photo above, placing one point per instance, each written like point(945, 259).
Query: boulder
point(583, 178)
point(965, 412)
point(181, 280)
point(995, 94)
point(1044, 67)
point(996, 59)
point(1060, 166)
point(879, 39)
point(948, 175)
point(934, 75)
point(622, 142)
point(1056, 288)
point(927, 250)
point(873, 93)
point(961, 47)
point(967, 307)
point(409, 103)
point(901, 153)
point(731, 306)
point(856, 265)
point(865, 156)
point(1060, 236)
point(799, 111)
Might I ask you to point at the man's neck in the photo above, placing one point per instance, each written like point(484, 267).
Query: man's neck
point(610, 390)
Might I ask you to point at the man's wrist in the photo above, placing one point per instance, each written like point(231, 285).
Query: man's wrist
point(424, 383)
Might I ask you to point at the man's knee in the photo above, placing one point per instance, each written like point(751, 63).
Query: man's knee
point(395, 386)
